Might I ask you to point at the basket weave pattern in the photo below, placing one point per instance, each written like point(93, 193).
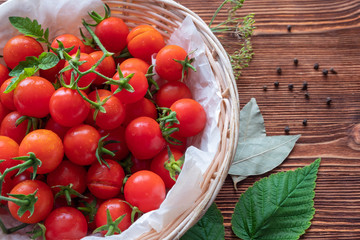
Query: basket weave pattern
point(167, 15)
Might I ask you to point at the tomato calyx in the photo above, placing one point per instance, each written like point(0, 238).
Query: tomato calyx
point(186, 65)
point(88, 41)
point(38, 231)
point(60, 50)
point(101, 150)
point(112, 226)
point(167, 118)
point(152, 83)
point(33, 123)
point(126, 164)
point(25, 202)
point(89, 209)
point(172, 165)
point(135, 212)
point(122, 83)
point(67, 191)
point(97, 17)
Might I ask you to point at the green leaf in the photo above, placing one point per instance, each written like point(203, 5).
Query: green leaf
point(279, 207)
point(261, 154)
point(27, 27)
point(47, 60)
point(27, 72)
point(252, 122)
point(209, 227)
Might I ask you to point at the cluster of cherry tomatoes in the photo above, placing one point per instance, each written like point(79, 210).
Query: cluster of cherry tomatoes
point(93, 142)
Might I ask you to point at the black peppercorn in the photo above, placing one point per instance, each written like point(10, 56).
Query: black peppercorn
point(289, 28)
point(291, 86)
point(316, 66)
point(287, 129)
point(305, 86)
point(328, 100)
point(332, 70)
point(276, 84)
point(264, 87)
point(278, 70)
point(296, 61)
point(304, 122)
point(325, 72)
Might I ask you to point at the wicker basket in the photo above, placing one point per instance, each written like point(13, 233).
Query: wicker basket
point(167, 15)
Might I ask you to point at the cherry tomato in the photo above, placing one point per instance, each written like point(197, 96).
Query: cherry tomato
point(114, 115)
point(9, 128)
point(85, 80)
point(46, 145)
point(138, 81)
point(191, 115)
point(145, 190)
point(56, 128)
point(112, 33)
point(68, 108)
point(43, 205)
point(32, 96)
point(135, 63)
point(80, 144)
point(143, 41)
point(68, 173)
point(20, 47)
point(65, 223)
point(119, 147)
point(171, 92)
point(144, 138)
point(93, 97)
point(166, 66)
point(8, 148)
point(3, 111)
point(105, 182)
point(158, 166)
point(7, 99)
point(107, 67)
point(69, 40)
point(143, 107)
point(4, 73)
point(117, 208)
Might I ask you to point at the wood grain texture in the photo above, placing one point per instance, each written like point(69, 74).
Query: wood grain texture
point(324, 32)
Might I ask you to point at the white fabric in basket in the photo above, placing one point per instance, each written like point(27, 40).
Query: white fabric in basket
point(65, 16)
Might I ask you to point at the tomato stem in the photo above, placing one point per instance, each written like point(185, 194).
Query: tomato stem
point(13, 229)
point(172, 165)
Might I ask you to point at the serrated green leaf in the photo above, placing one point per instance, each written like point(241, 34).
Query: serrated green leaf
point(47, 60)
point(251, 122)
point(27, 27)
point(209, 227)
point(27, 72)
point(279, 207)
point(30, 62)
point(261, 154)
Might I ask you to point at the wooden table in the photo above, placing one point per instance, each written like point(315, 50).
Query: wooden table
point(323, 32)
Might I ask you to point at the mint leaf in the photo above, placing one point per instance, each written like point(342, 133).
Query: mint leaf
point(209, 227)
point(28, 27)
point(252, 122)
point(45, 61)
point(280, 206)
point(27, 72)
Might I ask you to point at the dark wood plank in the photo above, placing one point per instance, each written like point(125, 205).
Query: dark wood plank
point(324, 32)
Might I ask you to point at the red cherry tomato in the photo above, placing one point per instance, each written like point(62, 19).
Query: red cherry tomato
point(9, 128)
point(68, 108)
point(119, 148)
point(7, 99)
point(46, 145)
point(4, 73)
point(191, 115)
point(166, 66)
point(69, 40)
point(3, 111)
point(107, 67)
point(8, 149)
point(171, 92)
point(114, 115)
point(117, 208)
point(144, 138)
point(145, 190)
point(144, 107)
point(56, 128)
point(138, 81)
point(158, 166)
point(85, 80)
point(67, 173)
point(135, 63)
point(32, 96)
point(65, 223)
point(112, 33)
point(80, 144)
point(43, 205)
point(104, 182)
point(143, 41)
point(20, 47)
